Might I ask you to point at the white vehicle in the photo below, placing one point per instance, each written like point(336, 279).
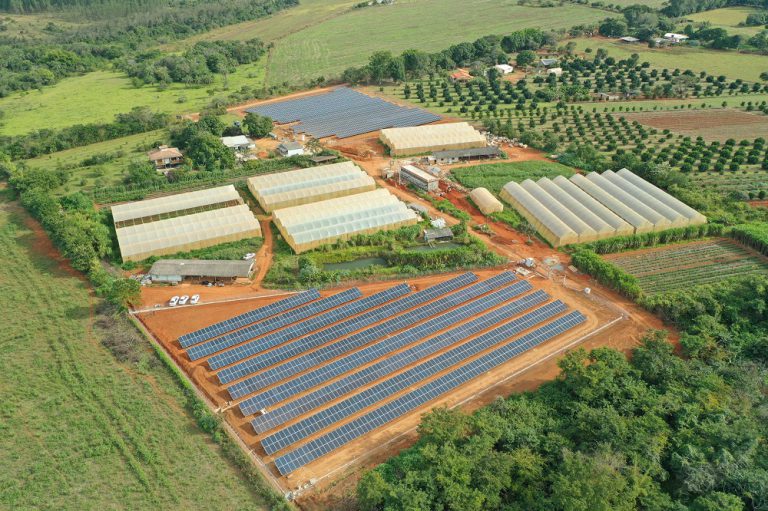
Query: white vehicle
point(183, 300)
point(249, 256)
point(173, 301)
point(194, 299)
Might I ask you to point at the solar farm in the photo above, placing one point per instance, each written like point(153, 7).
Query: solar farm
point(315, 373)
point(342, 113)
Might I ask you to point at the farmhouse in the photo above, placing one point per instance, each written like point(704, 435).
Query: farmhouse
point(303, 186)
point(178, 270)
point(239, 143)
point(183, 222)
point(485, 201)
point(165, 157)
point(504, 69)
point(419, 178)
point(435, 137)
point(308, 226)
point(290, 149)
point(457, 155)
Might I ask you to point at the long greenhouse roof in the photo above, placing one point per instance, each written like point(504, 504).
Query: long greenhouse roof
point(171, 203)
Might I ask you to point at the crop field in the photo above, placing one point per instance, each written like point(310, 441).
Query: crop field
point(711, 125)
point(80, 429)
point(327, 48)
point(748, 182)
point(494, 176)
point(98, 96)
point(703, 262)
point(331, 368)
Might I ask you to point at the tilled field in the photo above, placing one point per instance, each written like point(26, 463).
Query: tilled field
point(711, 125)
point(334, 376)
point(702, 262)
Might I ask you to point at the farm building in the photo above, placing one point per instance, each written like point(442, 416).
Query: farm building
point(419, 178)
point(239, 143)
point(657, 220)
point(308, 226)
point(296, 187)
point(539, 216)
point(574, 223)
point(178, 270)
point(557, 71)
point(182, 222)
point(461, 75)
point(547, 63)
point(435, 137)
point(629, 39)
point(587, 209)
point(504, 69)
point(675, 38)
point(693, 216)
point(674, 217)
point(457, 155)
point(639, 223)
point(165, 157)
point(435, 235)
point(485, 201)
point(290, 149)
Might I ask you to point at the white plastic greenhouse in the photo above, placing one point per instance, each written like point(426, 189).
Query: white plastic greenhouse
point(485, 201)
point(621, 228)
point(577, 225)
point(433, 137)
point(637, 221)
point(675, 218)
point(542, 219)
point(173, 203)
point(601, 228)
point(694, 217)
point(659, 221)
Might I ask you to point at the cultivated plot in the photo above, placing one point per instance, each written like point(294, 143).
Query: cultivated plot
point(711, 125)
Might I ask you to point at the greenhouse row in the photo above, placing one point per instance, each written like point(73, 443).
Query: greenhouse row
point(174, 203)
point(304, 186)
point(597, 206)
point(430, 138)
point(308, 226)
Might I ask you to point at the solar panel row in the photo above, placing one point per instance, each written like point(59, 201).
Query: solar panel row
point(247, 318)
point(389, 387)
point(357, 340)
point(415, 398)
point(391, 363)
point(227, 340)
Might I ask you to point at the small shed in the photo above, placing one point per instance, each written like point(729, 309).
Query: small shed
point(485, 201)
point(607, 96)
point(548, 63)
point(629, 39)
point(239, 143)
point(177, 270)
point(504, 69)
point(675, 38)
point(433, 235)
point(418, 208)
point(557, 71)
point(290, 149)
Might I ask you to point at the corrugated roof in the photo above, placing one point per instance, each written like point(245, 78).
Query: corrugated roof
point(236, 141)
point(202, 268)
point(472, 152)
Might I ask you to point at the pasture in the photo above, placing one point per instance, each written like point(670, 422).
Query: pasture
point(98, 96)
point(720, 124)
point(669, 268)
point(728, 18)
point(80, 429)
point(327, 48)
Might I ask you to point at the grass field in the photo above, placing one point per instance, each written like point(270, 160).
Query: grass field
point(495, 175)
point(729, 19)
point(703, 262)
point(326, 49)
point(81, 430)
point(111, 173)
point(729, 63)
point(98, 96)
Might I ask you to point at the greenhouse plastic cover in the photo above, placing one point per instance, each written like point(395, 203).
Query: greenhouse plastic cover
point(171, 203)
point(485, 201)
point(694, 216)
point(558, 233)
point(186, 232)
point(303, 186)
point(457, 135)
point(311, 225)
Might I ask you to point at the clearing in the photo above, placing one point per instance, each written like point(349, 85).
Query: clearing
point(663, 269)
point(81, 430)
point(711, 125)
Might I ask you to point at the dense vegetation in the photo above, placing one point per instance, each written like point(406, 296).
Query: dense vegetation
point(652, 432)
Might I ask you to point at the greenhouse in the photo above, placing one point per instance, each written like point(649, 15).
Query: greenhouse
point(575, 208)
point(485, 201)
point(657, 220)
point(576, 224)
point(620, 227)
point(308, 226)
point(430, 138)
point(175, 205)
point(639, 223)
point(187, 232)
point(304, 186)
point(675, 218)
point(693, 216)
point(542, 219)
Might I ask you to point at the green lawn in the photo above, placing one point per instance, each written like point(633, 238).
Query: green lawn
point(729, 19)
point(81, 431)
point(111, 173)
point(98, 96)
point(729, 63)
point(495, 175)
point(327, 48)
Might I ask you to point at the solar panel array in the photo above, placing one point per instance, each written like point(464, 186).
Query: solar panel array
point(247, 318)
point(375, 418)
point(312, 378)
point(342, 112)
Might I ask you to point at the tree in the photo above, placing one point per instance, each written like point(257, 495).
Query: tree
point(718, 501)
point(613, 27)
point(208, 153)
point(212, 124)
point(258, 126)
point(123, 292)
point(525, 58)
point(141, 172)
point(379, 66)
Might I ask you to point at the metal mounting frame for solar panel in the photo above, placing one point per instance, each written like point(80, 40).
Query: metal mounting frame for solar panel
point(388, 362)
point(246, 318)
point(398, 407)
point(205, 349)
point(312, 378)
point(422, 371)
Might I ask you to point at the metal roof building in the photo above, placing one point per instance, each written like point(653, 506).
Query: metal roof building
point(304, 186)
point(435, 137)
point(176, 270)
point(485, 201)
point(546, 223)
point(182, 222)
point(308, 226)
